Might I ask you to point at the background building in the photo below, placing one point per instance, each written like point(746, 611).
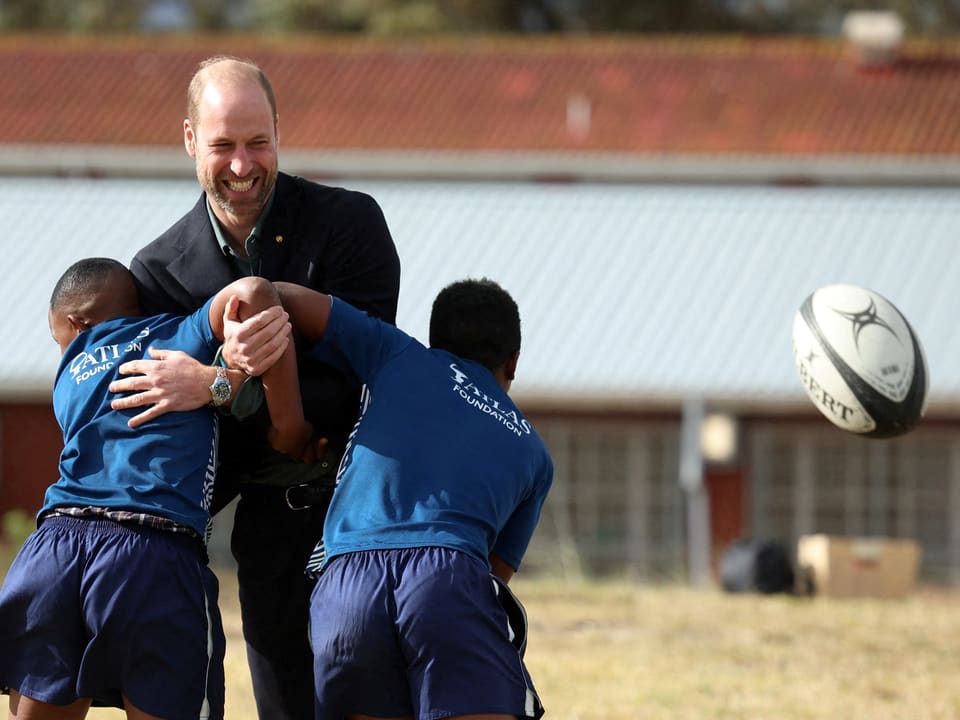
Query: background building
point(659, 207)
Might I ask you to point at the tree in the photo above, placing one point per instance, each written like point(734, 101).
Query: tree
point(411, 17)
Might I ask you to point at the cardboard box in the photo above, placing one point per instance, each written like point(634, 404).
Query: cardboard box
point(859, 567)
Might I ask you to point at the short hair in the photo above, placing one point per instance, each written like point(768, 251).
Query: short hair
point(239, 68)
point(84, 279)
point(476, 320)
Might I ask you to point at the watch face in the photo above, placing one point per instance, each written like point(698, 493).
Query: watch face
point(220, 391)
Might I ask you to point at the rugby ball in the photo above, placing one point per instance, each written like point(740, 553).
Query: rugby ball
point(860, 361)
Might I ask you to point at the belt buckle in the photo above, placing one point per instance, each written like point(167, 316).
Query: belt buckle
point(290, 503)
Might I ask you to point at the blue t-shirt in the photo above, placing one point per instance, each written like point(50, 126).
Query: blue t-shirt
point(164, 467)
point(440, 457)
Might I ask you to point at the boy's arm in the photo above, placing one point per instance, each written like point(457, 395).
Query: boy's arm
point(501, 568)
point(309, 310)
point(244, 299)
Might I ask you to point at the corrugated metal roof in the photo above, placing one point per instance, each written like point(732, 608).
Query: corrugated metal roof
point(629, 294)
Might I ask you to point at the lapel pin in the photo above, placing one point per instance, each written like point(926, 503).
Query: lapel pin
point(278, 238)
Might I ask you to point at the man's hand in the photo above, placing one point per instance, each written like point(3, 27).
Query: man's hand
point(255, 344)
point(172, 380)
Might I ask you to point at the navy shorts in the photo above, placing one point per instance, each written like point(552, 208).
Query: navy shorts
point(92, 608)
point(422, 632)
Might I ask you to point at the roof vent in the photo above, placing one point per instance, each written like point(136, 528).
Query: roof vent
point(874, 36)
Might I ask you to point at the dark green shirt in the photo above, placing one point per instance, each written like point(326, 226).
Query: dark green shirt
point(249, 265)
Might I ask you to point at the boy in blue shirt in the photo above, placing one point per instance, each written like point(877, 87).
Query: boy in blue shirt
point(111, 599)
point(438, 495)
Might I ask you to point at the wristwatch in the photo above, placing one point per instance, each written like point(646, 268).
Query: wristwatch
point(221, 389)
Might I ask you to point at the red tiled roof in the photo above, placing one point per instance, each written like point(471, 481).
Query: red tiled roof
point(643, 95)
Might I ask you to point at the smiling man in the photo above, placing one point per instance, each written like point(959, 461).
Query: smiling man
point(235, 147)
point(252, 219)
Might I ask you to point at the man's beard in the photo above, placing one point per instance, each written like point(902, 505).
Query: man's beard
point(250, 208)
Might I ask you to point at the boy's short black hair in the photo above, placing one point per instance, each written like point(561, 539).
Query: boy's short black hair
point(476, 320)
point(83, 279)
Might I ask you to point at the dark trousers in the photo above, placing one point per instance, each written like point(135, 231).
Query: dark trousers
point(271, 544)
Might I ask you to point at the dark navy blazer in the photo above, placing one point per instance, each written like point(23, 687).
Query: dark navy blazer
point(330, 239)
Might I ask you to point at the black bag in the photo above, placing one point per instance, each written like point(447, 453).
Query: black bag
point(757, 566)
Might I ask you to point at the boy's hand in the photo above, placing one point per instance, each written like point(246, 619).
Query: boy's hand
point(295, 441)
point(255, 344)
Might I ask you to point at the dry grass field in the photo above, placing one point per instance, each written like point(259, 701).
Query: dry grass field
point(619, 651)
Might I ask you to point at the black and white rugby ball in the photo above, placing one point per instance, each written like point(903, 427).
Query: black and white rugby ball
point(860, 361)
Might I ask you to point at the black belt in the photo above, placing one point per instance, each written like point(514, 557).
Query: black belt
point(316, 491)
point(308, 495)
point(300, 485)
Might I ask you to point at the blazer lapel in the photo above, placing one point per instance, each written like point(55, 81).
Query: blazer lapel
point(201, 266)
point(278, 231)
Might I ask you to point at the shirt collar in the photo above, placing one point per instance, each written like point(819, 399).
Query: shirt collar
point(253, 237)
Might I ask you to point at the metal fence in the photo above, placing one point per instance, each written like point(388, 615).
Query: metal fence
point(617, 508)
